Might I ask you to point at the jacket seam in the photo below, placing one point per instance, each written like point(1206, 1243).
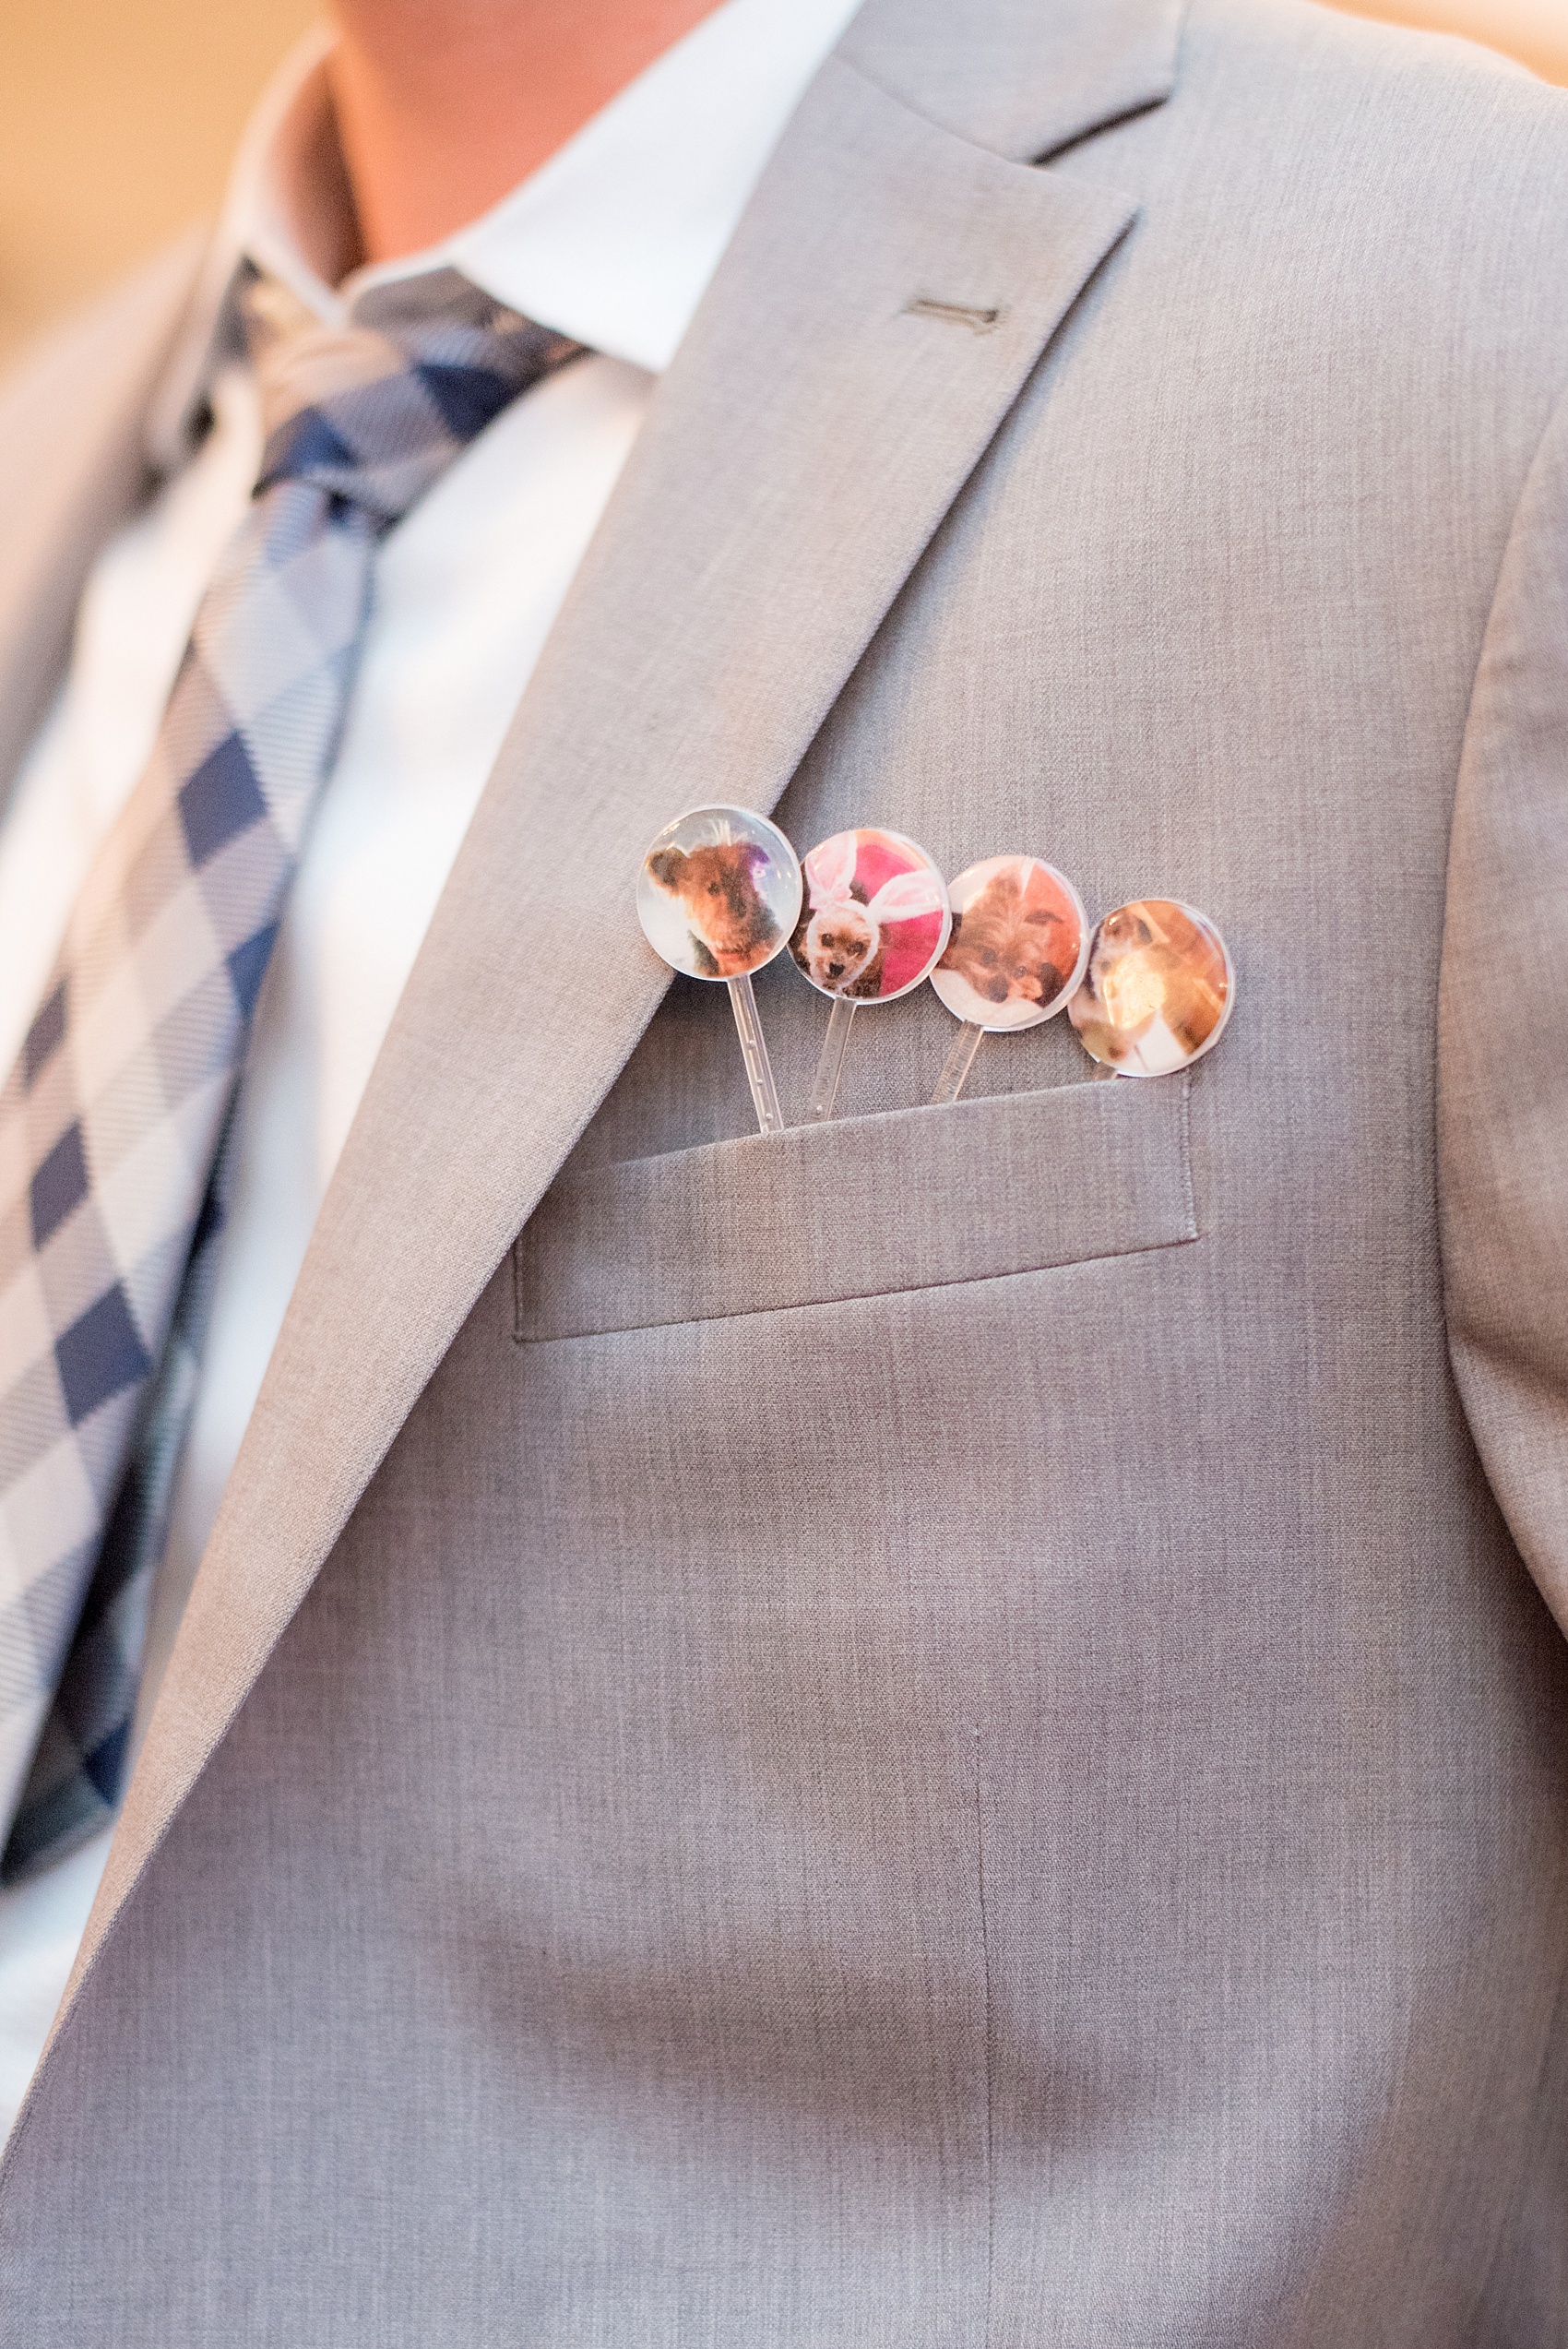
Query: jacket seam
point(1508, 2205)
point(1559, 408)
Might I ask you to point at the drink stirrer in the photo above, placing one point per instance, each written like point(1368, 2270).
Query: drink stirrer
point(1020, 946)
point(719, 895)
point(875, 921)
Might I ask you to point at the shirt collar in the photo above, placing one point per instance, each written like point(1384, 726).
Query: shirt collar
point(613, 240)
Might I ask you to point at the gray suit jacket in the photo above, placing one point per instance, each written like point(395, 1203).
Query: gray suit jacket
point(947, 1729)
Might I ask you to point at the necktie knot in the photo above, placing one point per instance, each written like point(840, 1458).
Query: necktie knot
point(374, 411)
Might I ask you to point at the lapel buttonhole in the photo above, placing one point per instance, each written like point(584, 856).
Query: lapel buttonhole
point(954, 314)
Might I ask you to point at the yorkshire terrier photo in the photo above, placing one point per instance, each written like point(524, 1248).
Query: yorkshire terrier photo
point(1013, 944)
point(840, 948)
point(875, 917)
point(716, 888)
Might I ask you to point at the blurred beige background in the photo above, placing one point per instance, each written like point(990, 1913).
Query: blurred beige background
point(117, 118)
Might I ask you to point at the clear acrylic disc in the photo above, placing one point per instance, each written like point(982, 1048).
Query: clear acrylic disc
point(1157, 991)
point(1019, 943)
point(718, 892)
point(875, 916)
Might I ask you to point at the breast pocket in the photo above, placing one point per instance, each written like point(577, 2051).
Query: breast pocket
point(858, 1208)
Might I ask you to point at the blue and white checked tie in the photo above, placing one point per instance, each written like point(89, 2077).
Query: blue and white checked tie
point(111, 1125)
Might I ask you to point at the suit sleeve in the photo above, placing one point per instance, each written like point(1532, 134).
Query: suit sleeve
point(1503, 1036)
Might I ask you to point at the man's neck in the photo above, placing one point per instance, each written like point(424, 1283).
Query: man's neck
point(444, 106)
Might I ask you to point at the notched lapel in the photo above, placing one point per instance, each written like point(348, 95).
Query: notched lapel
point(72, 427)
point(1024, 77)
point(885, 298)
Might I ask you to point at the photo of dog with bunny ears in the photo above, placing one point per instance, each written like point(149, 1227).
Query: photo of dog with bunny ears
point(875, 917)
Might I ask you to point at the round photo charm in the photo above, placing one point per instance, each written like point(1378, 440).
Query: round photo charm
point(1018, 945)
point(875, 921)
point(1157, 991)
point(719, 893)
point(875, 916)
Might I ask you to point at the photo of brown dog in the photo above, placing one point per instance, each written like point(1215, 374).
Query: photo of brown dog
point(874, 918)
point(1157, 992)
point(1020, 938)
point(718, 892)
point(726, 912)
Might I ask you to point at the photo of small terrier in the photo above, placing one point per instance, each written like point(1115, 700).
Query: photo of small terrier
point(874, 918)
point(717, 887)
point(1158, 989)
point(1017, 944)
point(719, 893)
point(840, 949)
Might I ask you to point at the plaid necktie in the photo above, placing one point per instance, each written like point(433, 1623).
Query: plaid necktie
point(111, 1124)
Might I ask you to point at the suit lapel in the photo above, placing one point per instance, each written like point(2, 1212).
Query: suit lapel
point(887, 295)
point(1024, 78)
point(75, 463)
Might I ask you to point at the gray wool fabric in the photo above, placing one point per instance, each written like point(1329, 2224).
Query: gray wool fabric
point(948, 1732)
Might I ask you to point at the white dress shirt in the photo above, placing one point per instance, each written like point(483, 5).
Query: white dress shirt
point(612, 241)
